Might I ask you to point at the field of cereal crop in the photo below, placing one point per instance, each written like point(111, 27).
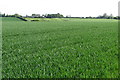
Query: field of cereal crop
point(76, 48)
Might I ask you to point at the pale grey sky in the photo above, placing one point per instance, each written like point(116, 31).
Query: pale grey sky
point(66, 7)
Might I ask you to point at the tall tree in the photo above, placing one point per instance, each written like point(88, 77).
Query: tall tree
point(105, 15)
point(111, 16)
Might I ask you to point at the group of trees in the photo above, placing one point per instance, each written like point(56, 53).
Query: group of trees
point(2, 15)
point(106, 16)
point(58, 15)
point(6, 15)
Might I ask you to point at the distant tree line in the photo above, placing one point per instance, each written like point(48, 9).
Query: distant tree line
point(6, 15)
point(105, 16)
point(58, 15)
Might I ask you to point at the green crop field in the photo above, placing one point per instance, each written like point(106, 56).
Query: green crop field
point(60, 48)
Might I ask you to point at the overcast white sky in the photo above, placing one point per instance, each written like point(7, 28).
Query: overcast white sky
point(66, 7)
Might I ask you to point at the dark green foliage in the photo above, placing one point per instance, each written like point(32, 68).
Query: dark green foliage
point(22, 18)
point(54, 15)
